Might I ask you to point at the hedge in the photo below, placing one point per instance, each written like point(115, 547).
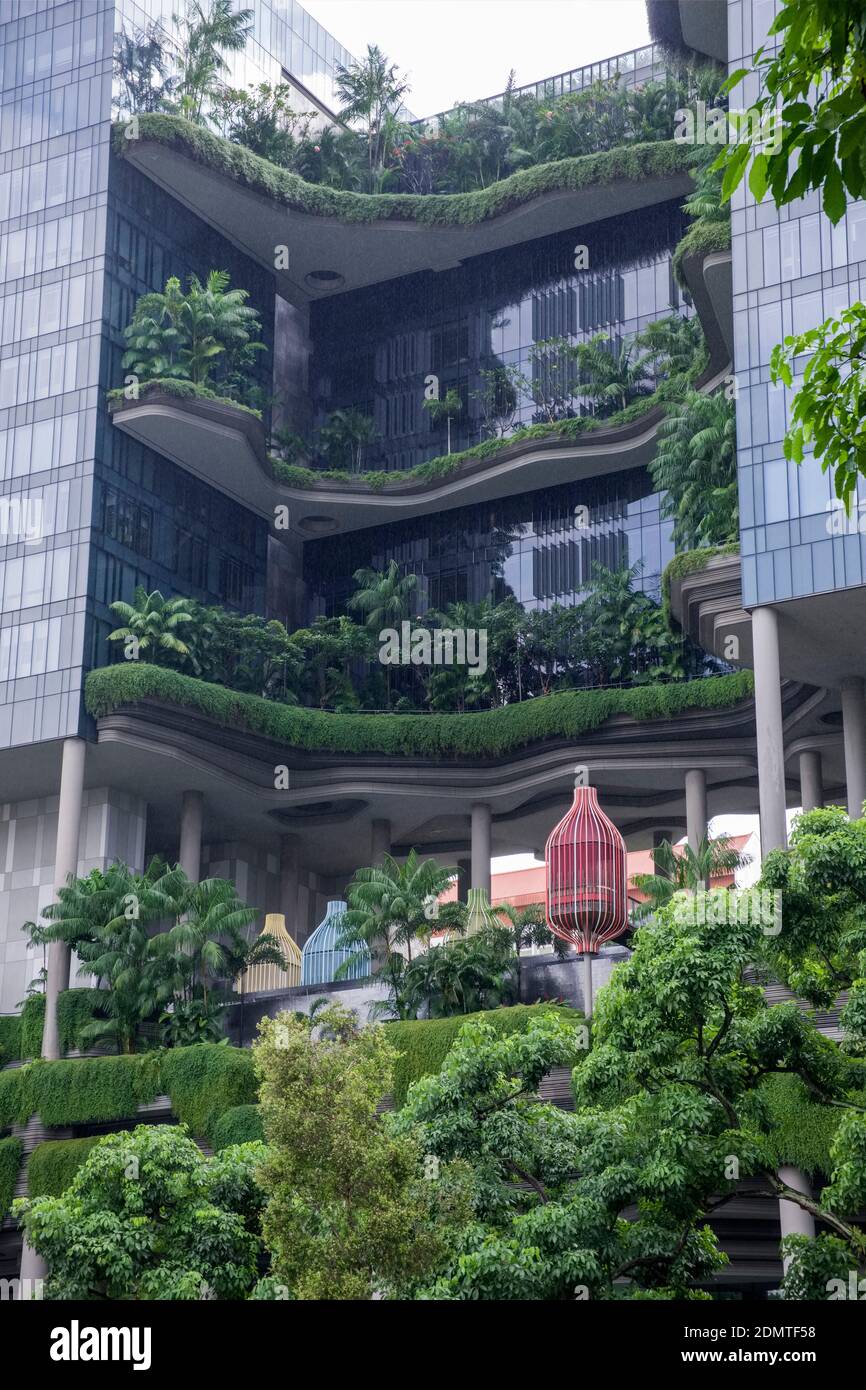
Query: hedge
point(487, 734)
point(626, 164)
point(32, 1020)
point(10, 1162)
point(10, 1038)
point(239, 1125)
point(206, 1080)
point(75, 1009)
point(52, 1165)
point(423, 1045)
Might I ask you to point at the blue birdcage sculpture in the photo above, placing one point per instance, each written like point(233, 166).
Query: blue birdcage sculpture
point(322, 957)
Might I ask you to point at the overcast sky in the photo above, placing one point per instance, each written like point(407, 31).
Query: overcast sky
point(457, 50)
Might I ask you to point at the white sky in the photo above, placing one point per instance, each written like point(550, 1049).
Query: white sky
point(457, 50)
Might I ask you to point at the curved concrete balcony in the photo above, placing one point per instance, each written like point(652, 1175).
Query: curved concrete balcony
point(161, 748)
point(226, 446)
point(357, 239)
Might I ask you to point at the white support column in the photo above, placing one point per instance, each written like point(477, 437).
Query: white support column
point(380, 836)
point(854, 736)
point(768, 729)
point(811, 780)
point(65, 863)
point(793, 1220)
point(191, 817)
point(696, 807)
point(481, 819)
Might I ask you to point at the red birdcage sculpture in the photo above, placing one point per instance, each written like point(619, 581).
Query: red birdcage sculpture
point(587, 897)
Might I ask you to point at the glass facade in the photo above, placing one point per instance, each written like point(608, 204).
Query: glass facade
point(372, 349)
point(527, 546)
point(791, 270)
point(56, 91)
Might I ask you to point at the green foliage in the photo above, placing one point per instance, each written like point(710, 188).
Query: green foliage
point(10, 1162)
point(85, 1090)
point(207, 336)
point(815, 70)
point(821, 949)
point(52, 1165)
point(32, 1020)
point(695, 466)
point(349, 1213)
point(422, 1045)
point(146, 1216)
point(489, 733)
point(828, 409)
point(240, 1124)
point(10, 1038)
point(629, 164)
point(206, 1080)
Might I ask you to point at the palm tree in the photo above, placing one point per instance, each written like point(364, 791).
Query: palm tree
point(685, 869)
point(344, 436)
point(371, 93)
point(152, 623)
point(205, 34)
point(139, 58)
point(389, 909)
point(695, 465)
point(613, 374)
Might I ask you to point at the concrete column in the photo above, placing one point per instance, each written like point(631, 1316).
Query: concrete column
point(793, 1220)
point(290, 855)
point(380, 841)
point(768, 720)
point(811, 780)
point(191, 816)
point(464, 873)
point(696, 807)
point(481, 846)
point(854, 735)
point(65, 863)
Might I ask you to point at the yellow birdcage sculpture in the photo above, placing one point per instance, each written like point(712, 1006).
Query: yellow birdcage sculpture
point(268, 976)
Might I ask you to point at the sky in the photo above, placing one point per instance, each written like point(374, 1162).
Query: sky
point(454, 50)
point(457, 50)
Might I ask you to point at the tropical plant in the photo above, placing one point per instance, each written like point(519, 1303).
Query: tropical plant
point(349, 1215)
point(814, 69)
point(147, 1216)
point(391, 907)
point(683, 869)
point(371, 93)
point(344, 436)
point(206, 336)
point(695, 468)
point(827, 412)
point(204, 35)
point(152, 626)
point(141, 66)
point(612, 374)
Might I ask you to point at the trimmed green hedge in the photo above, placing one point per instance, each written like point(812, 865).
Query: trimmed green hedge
point(239, 1125)
point(75, 1009)
point(206, 1080)
point(424, 1044)
point(32, 1020)
point(10, 1038)
point(52, 1165)
point(487, 734)
point(626, 164)
point(10, 1162)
